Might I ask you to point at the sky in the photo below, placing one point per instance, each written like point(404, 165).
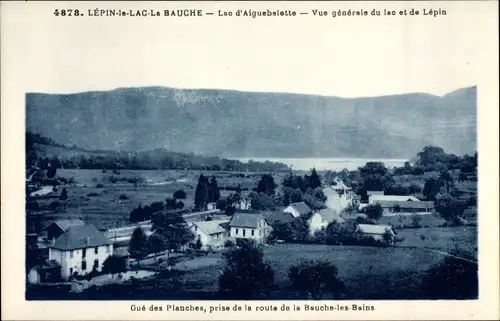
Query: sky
point(343, 56)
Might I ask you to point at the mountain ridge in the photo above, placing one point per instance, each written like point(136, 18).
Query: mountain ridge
point(232, 123)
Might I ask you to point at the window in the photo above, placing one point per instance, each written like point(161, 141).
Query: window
point(84, 252)
point(108, 248)
point(236, 231)
point(70, 254)
point(96, 250)
point(96, 264)
point(244, 232)
point(84, 265)
point(260, 232)
point(253, 232)
point(71, 271)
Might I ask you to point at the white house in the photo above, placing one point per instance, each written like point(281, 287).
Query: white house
point(211, 206)
point(244, 204)
point(252, 226)
point(339, 196)
point(79, 249)
point(375, 231)
point(211, 234)
point(321, 219)
point(298, 209)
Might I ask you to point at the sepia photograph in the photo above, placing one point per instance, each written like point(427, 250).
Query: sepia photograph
point(208, 158)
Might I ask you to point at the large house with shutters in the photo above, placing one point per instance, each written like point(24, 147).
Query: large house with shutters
point(80, 249)
point(253, 226)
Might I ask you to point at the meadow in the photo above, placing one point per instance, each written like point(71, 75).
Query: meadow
point(375, 273)
point(107, 198)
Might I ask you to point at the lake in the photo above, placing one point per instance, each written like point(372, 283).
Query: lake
point(333, 164)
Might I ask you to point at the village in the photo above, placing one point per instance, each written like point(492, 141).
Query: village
point(75, 255)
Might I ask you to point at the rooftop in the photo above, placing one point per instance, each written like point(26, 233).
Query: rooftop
point(66, 224)
point(330, 215)
point(406, 204)
point(398, 198)
point(80, 237)
point(211, 227)
point(250, 220)
point(277, 217)
point(301, 207)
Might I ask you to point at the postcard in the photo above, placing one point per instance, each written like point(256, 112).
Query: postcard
point(243, 160)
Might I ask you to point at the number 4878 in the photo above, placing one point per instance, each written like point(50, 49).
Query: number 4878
point(67, 12)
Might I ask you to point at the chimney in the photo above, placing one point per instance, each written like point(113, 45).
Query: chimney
point(88, 241)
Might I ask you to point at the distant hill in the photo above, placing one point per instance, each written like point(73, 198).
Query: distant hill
point(41, 149)
point(247, 124)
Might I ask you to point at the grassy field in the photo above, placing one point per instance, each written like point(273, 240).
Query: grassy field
point(443, 239)
point(406, 221)
point(376, 273)
point(108, 198)
point(368, 272)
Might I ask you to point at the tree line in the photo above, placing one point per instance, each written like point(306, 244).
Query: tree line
point(143, 160)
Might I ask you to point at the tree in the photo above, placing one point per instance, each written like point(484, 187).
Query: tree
point(300, 229)
point(388, 237)
point(456, 277)
point(266, 185)
point(138, 245)
point(51, 170)
point(446, 179)
point(179, 194)
point(314, 180)
point(373, 212)
point(292, 195)
point(213, 190)
point(414, 189)
point(416, 220)
point(170, 204)
point(202, 192)
point(198, 245)
point(246, 275)
point(173, 228)
point(313, 202)
point(281, 231)
point(395, 189)
point(156, 244)
point(286, 199)
point(320, 195)
point(262, 201)
point(315, 279)
point(64, 194)
point(157, 207)
point(114, 264)
point(374, 177)
point(450, 208)
point(431, 189)
point(430, 156)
